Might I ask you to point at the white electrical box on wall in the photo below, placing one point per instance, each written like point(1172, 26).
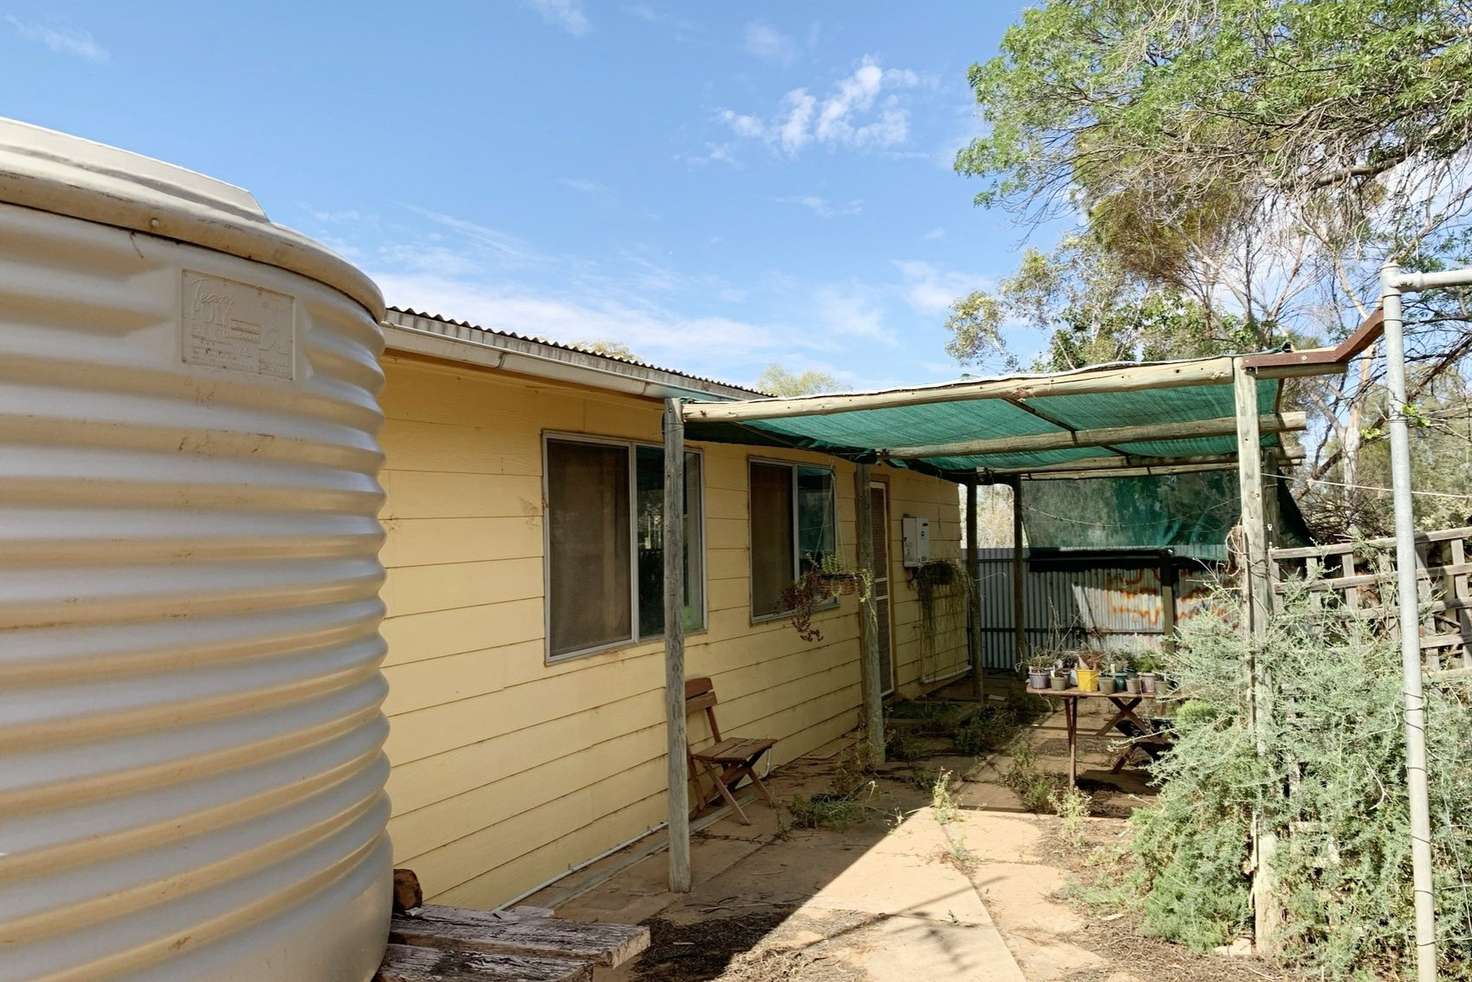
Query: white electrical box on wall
point(914, 541)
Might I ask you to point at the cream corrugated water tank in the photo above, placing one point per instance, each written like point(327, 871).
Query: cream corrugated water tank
point(191, 766)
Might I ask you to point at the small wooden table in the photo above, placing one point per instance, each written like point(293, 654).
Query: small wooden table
point(1125, 704)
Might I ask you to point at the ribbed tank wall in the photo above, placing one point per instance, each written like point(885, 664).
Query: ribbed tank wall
point(191, 766)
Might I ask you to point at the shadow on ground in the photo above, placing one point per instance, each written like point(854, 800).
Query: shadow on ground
point(907, 891)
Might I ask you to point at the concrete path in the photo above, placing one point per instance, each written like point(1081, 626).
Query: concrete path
point(892, 906)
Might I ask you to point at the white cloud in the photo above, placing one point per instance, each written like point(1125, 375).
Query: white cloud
point(852, 115)
point(666, 312)
point(566, 14)
point(822, 207)
point(657, 335)
point(643, 11)
point(582, 185)
point(931, 290)
point(78, 44)
point(715, 153)
point(335, 217)
point(766, 42)
point(849, 311)
point(483, 239)
point(934, 234)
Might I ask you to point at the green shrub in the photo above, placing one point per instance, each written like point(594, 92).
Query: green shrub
point(1330, 784)
point(942, 805)
point(1071, 805)
point(1034, 788)
point(994, 727)
point(900, 744)
point(825, 810)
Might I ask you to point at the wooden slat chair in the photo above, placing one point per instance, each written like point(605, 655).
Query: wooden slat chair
point(729, 759)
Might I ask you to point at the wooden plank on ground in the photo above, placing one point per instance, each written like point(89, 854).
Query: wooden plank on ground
point(409, 963)
point(507, 933)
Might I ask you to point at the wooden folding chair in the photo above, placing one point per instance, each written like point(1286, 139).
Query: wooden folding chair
point(729, 759)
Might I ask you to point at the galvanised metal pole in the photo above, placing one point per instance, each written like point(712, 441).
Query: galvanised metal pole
point(1410, 617)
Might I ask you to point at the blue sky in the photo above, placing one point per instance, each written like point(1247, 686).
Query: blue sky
point(717, 186)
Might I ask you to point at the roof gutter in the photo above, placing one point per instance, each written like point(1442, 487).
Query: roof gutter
point(539, 361)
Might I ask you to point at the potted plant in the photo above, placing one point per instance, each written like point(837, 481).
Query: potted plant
point(1148, 665)
point(1037, 673)
point(1058, 681)
point(1121, 671)
point(840, 580)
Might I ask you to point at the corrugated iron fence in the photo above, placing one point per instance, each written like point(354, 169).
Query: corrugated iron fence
point(1071, 603)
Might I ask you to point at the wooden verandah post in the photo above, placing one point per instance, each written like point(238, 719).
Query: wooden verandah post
point(1019, 572)
point(973, 599)
point(1266, 905)
point(871, 686)
point(674, 645)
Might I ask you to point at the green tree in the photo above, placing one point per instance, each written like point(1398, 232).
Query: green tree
point(609, 348)
point(778, 381)
point(1089, 309)
point(1243, 167)
point(1203, 110)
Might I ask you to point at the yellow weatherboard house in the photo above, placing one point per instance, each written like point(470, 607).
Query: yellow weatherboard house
point(524, 484)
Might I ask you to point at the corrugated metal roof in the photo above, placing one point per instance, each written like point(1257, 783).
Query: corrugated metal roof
point(457, 329)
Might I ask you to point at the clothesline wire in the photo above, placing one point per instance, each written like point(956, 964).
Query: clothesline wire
point(1374, 487)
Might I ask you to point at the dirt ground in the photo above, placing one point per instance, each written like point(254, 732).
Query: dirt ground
point(977, 889)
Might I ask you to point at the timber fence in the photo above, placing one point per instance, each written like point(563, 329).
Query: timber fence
point(1361, 576)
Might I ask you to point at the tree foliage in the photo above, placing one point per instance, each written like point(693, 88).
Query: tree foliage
point(1195, 110)
point(779, 381)
point(1238, 171)
point(609, 348)
point(1089, 309)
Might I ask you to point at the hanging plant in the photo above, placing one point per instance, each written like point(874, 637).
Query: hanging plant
point(819, 586)
point(945, 588)
point(802, 599)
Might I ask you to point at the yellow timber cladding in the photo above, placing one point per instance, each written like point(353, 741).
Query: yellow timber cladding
point(508, 770)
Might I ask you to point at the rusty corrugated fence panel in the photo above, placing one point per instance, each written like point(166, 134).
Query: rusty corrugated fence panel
point(1117, 607)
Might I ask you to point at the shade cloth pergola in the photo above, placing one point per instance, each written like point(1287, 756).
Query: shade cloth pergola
point(1207, 413)
point(1098, 417)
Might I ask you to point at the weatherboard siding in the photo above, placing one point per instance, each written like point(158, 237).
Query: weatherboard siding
point(507, 770)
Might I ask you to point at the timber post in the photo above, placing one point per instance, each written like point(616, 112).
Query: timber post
point(973, 595)
point(1169, 583)
point(870, 683)
point(676, 745)
point(1266, 905)
point(1019, 573)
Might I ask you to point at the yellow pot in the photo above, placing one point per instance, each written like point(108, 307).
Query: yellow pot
point(1088, 680)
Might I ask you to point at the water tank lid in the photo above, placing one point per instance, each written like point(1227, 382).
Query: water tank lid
point(67, 175)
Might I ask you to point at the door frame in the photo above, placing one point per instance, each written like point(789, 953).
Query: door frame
point(883, 487)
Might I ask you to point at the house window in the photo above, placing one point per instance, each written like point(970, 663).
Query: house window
point(793, 528)
point(605, 544)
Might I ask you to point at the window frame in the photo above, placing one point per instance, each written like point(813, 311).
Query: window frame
point(792, 466)
point(632, 476)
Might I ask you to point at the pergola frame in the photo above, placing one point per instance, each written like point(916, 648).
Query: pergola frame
point(1240, 371)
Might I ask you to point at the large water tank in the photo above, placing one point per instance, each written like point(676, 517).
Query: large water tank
point(191, 766)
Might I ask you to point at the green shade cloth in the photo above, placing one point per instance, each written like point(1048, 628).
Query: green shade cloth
point(1189, 514)
point(858, 434)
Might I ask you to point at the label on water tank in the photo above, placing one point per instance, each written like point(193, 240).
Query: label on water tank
point(238, 327)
